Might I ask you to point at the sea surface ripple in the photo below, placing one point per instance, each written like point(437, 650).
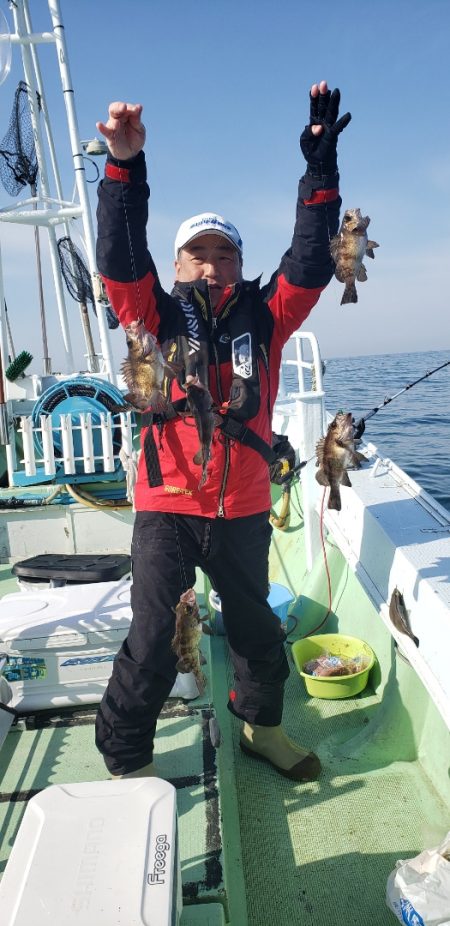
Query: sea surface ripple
point(414, 429)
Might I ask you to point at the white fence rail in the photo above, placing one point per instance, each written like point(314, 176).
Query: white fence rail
point(81, 443)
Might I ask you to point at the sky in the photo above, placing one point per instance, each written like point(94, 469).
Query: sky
point(225, 90)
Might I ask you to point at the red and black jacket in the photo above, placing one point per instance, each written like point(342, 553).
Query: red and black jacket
point(236, 351)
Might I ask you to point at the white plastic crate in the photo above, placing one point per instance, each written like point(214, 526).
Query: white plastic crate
point(93, 854)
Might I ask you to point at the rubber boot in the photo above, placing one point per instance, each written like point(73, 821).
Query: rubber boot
point(272, 745)
point(147, 771)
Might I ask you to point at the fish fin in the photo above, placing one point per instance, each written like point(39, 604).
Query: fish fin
point(202, 659)
point(182, 667)
point(334, 500)
point(116, 409)
point(172, 369)
point(349, 294)
point(370, 246)
point(206, 628)
point(334, 247)
point(218, 420)
point(362, 274)
point(339, 274)
point(357, 459)
point(157, 402)
point(198, 458)
point(345, 479)
point(135, 402)
point(321, 478)
point(319, 449)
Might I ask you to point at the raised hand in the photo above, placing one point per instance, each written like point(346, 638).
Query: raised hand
point(318, 140)
point(124, 132)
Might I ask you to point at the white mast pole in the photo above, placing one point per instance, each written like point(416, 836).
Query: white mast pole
point(20, 27)
point(80, 177)
point(91, 355)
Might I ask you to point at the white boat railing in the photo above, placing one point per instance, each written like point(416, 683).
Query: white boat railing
point(300, 414)
point(86, 446)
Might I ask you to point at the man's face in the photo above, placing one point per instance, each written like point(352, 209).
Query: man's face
point(212, 258)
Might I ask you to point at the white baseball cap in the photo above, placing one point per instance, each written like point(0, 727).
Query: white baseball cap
point(202, 224)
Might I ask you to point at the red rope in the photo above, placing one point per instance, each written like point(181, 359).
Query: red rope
point(315, 629)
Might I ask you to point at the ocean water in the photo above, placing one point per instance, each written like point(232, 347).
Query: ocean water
point(414, 429)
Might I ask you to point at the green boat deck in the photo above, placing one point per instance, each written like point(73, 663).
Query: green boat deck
point(256, 848)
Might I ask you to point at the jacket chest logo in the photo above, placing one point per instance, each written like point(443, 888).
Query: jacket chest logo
point(241, 352)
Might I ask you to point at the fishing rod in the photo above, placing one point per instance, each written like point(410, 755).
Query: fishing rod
point(359, 426)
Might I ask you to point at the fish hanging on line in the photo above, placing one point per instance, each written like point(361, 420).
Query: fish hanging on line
point(335, 453)
point(144, 370)
point(348, 249)
point(399, 615)
point(200, 403)
point(189, 627)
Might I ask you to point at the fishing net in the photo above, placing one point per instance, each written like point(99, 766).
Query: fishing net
point(78, 279)
point(18, 161)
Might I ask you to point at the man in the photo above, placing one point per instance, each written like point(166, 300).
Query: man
point(230, 333)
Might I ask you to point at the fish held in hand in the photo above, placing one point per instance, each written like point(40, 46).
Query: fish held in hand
point(348, 249)
point(335, 453)
point(189, 627)
point(144, 370)
point(200, 403)
point(399, 615)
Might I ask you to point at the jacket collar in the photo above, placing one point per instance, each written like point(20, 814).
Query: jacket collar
point(199, 288)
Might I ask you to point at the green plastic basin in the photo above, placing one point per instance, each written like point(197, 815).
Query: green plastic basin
point(336, 644)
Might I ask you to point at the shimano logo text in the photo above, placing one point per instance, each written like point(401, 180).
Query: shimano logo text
point(90, 856)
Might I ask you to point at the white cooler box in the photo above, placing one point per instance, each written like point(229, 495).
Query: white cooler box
point(61, 643)
point(96, 853)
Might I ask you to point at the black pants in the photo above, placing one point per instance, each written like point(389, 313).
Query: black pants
point(165, 550)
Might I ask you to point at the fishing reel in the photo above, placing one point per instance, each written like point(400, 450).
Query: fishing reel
point(282, 469)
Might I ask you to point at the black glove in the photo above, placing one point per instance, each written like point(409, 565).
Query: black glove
point(358, 428)
point(320, 150)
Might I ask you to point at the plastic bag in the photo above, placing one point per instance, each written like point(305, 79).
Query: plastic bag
point(326, 665)
point(418, 890)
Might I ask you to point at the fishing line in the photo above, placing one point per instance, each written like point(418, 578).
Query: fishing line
point(139, 311)
point(130, 248)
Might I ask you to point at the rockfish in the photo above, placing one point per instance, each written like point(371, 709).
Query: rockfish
point(144, 369)
point(348, 248)
point(399, 615)
point(335, 452)
point(188, 631)
point(200, 403)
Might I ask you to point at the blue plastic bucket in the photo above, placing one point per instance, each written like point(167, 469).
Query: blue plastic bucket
point(279, 600)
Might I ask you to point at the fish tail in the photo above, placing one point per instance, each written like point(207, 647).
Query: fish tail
point(200, 678)
point(349, 294)
point(334, 500)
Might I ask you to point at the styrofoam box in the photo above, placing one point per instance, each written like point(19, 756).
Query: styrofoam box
point(93, 854)
point(61, 644)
